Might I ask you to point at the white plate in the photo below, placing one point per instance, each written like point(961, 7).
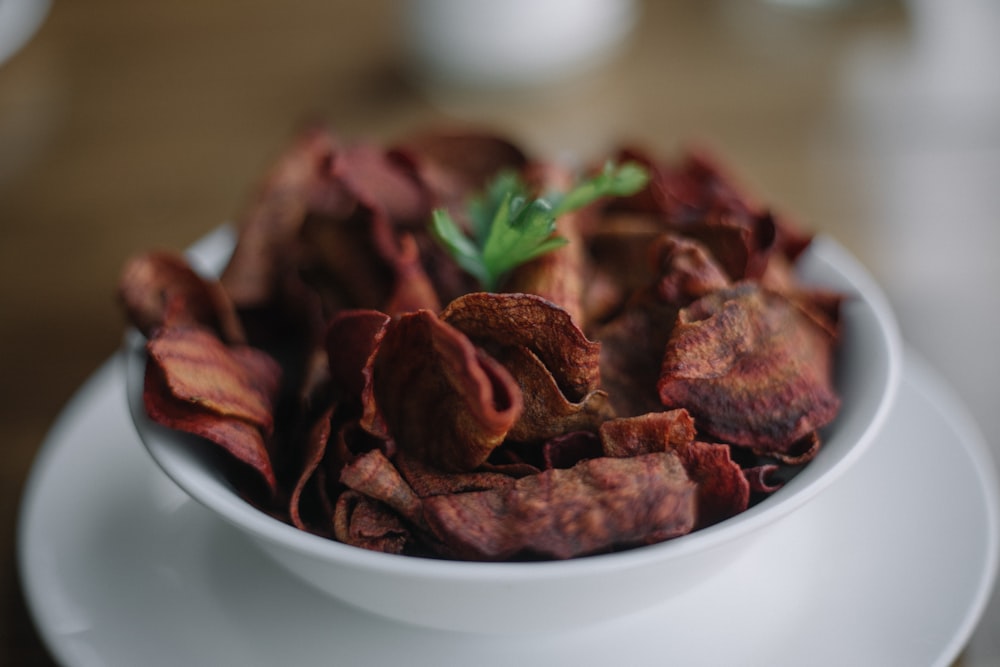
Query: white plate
point(891, 567)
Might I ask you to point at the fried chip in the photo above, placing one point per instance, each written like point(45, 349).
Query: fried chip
point(352, 337)
point(373, 475)
point(647, 434)
point(556, 276)
point(752, 369)
point(160, 286)
point(444, 401)
point(269, 229)
point(723, 490)
point(595, 506)
point(315, 450)
point(527, 320)
point(428, 481)
point(363, 522)
point(632, 347)
point(199, 369)
point(565, 451)
point(241, 439)
point(547, 413)
point(686, 270)
point(454, 165)
point(657, 374)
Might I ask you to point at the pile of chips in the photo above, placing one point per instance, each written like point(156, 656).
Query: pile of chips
point(660, 373)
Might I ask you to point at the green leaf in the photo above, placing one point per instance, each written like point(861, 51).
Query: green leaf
point(508, 228)
point(613, 181)
point(461, 248)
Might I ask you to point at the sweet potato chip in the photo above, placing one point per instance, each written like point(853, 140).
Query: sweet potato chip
point(556, 276)
point(443, 400)
point(752, 369)
point(595, 506)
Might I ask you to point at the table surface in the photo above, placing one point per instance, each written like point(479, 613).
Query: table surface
point(125, 126)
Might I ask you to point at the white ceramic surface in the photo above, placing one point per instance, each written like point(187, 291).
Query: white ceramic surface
point(120, 568)
point(548, 596)
point(19, 20)
point(486, 44)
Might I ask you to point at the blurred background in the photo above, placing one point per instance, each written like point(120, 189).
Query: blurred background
point(125, 126)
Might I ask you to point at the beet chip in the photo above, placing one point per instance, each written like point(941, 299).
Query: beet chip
point(555, 365)
point(595, 506)
point(363, 522)
point(723, 489)
point(315, 449)
point(194, 383)
point(427, 481)
point(454, 165)
point(159, 286)
point(443, 400)
point(201, 370)
point(632, 348)
point(547, 413)
point(752, 369)
point(374, 475)
point(686, 270)
point(527, 320)
point(352, 336)
point(647, 434)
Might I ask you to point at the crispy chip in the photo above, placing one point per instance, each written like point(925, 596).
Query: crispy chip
point(374, 475)
point(723, 490)
point(658, 373)
point(315, 449)
point(686, 270)
point(363, 522)
point(595, 506)
point(198, 368)
point(428, 481)
point(241, 439)
point(159, 286)
point(529, 321)
point(352, 337)
point(646, 434)
point(752, 369)
point(632, 347)
point(454, 165)
point(443, 400)
point(547, 413)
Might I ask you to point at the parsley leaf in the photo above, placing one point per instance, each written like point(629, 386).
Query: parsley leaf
point(509, 228)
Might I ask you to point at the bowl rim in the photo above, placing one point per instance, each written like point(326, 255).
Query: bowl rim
point(210, 253)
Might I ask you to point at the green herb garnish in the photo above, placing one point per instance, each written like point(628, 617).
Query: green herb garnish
point(509, 228)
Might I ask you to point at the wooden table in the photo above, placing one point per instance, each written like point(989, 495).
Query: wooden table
point(130, 125)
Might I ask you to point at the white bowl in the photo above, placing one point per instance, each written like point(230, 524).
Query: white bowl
point(547, 596)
